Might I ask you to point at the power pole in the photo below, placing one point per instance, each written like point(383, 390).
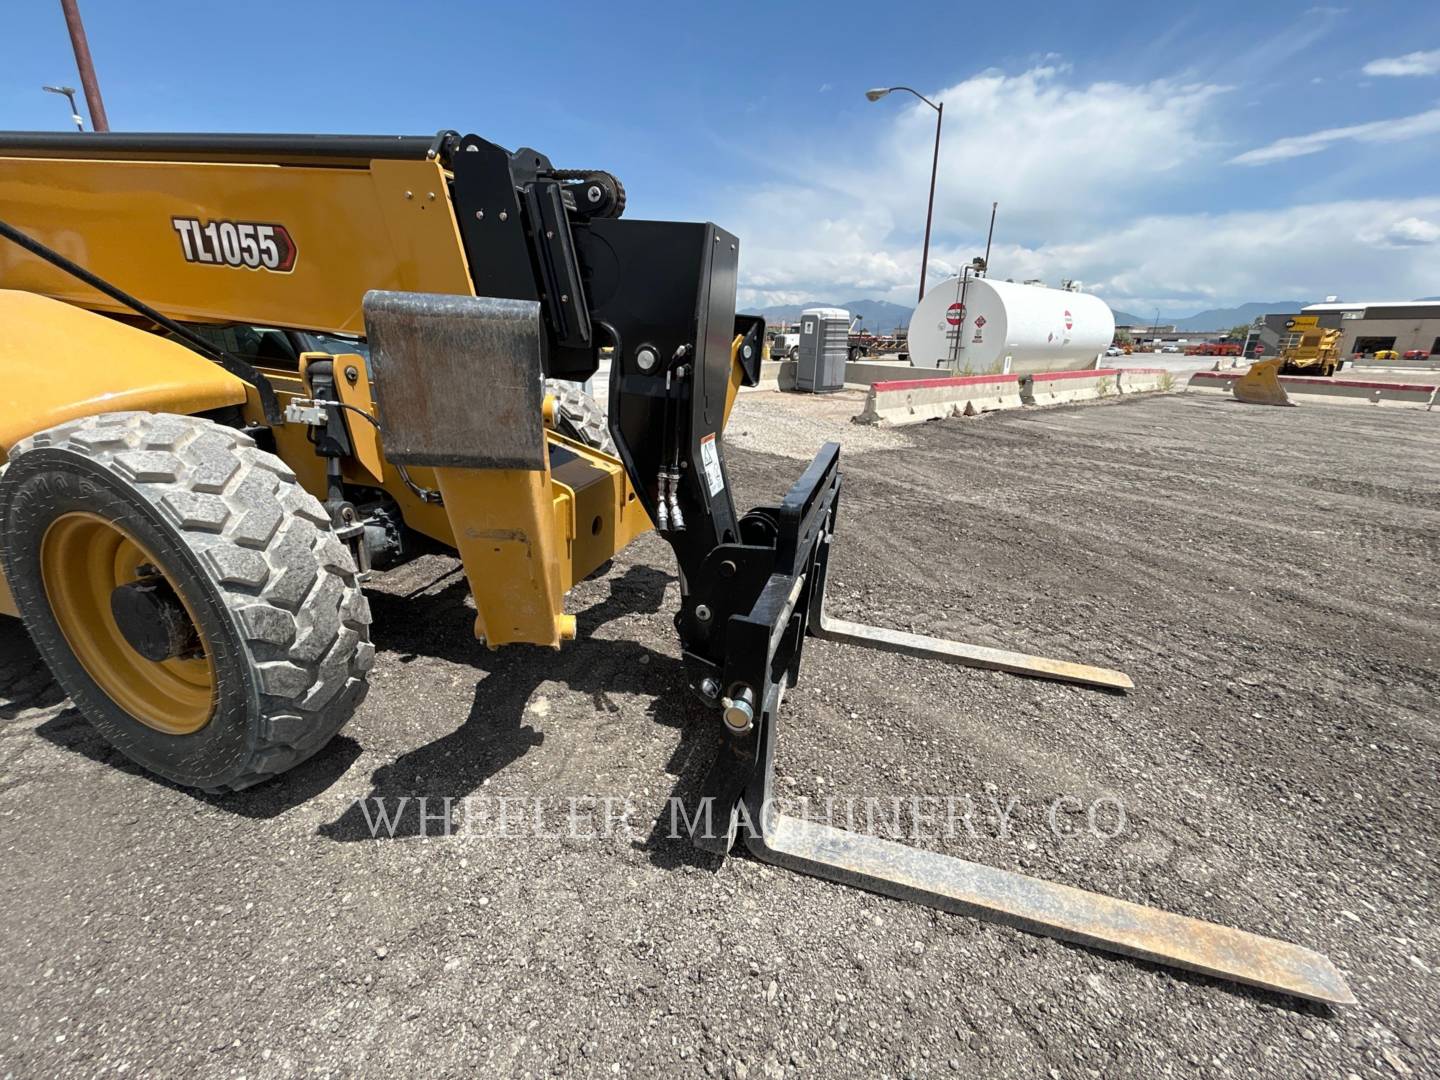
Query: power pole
point(98, 120)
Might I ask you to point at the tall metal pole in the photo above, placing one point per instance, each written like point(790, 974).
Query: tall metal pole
point(930, 208)
point(98, 120)
point(993, 207)
point(875, 95)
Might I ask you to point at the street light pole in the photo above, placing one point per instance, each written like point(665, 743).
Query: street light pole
point(930, 205)
point(876, 95)
point(68, 93)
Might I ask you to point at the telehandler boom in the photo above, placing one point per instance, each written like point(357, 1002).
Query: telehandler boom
point(238, 373)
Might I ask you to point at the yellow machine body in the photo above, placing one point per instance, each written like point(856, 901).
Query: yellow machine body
point(525, 536)
point(1312, 350)
point(370, 225)
point(59, 363)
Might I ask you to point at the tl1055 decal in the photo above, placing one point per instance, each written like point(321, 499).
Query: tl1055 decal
point(248, 244)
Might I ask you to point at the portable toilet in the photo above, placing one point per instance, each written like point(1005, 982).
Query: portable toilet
point(824, 347)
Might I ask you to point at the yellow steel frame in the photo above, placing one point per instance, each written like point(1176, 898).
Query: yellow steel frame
point(389, 225)
point(525, 537)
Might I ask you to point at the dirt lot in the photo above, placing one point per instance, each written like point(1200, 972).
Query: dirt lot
point(1267, 576)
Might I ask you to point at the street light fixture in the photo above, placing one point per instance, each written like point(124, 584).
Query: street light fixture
point(876, 95)
point(68, 92)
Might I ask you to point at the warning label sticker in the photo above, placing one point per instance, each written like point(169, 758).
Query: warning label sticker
point(710, 462)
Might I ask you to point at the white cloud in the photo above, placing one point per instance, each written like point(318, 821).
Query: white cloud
point(1034, 140)
point(1379, 248)
point(1410, 231)
point(1077, 170)
point(1377, 131)
point(1415, 63)
point(1051, 152)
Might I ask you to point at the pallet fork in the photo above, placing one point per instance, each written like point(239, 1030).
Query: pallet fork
point(741, 785)
point(753, 591)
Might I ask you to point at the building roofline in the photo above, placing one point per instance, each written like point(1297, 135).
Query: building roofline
point(1362, 305)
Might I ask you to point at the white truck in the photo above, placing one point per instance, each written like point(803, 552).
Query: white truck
point(785, 345)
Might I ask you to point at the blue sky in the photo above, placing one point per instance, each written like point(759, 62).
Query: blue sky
point(1172, 155)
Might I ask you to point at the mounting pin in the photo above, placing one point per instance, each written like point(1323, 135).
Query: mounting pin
point(739, 714)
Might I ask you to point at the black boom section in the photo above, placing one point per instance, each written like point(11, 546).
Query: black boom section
point(515, 218)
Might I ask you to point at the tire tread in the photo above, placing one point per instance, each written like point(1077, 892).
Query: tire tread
point(291, 588)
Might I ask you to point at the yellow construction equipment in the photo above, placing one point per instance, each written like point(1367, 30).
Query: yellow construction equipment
point(1311, 350)
point(241, 373)
point(1260, 385)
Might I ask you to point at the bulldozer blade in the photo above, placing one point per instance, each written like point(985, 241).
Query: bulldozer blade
point(1047, 908)
point(976, 656)
point(1261, 385)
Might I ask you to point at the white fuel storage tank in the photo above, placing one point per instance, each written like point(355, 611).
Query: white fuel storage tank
point(1038, 328)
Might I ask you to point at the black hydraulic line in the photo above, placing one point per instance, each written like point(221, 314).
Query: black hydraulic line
point(163, 144)
point(233, 364)
point(424, 494)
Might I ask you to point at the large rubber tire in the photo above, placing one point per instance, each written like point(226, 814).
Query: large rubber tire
point(274, 594)
point(579, 415)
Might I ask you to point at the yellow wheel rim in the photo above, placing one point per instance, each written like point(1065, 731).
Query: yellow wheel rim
point(83, 559)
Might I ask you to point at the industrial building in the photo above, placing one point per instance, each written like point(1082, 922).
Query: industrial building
point(1369, 327)
point(1167, 334)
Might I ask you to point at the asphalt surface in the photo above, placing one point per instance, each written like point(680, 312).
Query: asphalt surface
point(1265, 575)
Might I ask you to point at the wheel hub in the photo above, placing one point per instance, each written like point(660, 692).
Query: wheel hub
point(152, 620)
point(127, 624)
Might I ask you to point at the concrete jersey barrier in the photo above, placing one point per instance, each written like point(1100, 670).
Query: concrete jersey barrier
point(869, 372)
point(775, 375)
point(1414, 395)
point(913, 401)
point(1061, 387)
point(780, 374)
point(1145, 380)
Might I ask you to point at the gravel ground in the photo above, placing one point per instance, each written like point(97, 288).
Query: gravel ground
point(1265, 575)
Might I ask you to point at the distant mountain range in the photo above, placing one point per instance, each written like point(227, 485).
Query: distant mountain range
point(1215, 318)
point(881, 315)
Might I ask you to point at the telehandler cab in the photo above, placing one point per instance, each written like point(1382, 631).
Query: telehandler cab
point(239, 373)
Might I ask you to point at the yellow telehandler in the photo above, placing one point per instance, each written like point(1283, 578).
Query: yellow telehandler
point(241, 373)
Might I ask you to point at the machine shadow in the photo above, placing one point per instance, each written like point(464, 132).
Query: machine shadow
point(26, 684)
point(497, 733)
point(71, 732)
